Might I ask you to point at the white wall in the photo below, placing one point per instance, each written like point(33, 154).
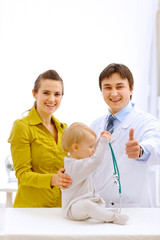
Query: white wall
point(77, 38)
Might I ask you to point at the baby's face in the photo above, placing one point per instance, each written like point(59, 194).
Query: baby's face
point(86, 147)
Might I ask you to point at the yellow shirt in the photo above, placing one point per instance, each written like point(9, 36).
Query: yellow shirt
point(36, 156)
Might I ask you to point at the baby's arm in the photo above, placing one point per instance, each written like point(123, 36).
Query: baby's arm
point(106, 135)
point(84, 167)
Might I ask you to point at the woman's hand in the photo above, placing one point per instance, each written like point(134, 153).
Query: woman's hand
point(61, 179)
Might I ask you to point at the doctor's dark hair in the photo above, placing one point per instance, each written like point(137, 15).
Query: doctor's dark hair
point(117, 68)
point(51, 75)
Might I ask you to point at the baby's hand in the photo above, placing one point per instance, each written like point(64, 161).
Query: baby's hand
point(106, 135)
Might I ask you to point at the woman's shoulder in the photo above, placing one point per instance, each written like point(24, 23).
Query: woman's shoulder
point(19, 129)
point(21, 123)
point(18, 123)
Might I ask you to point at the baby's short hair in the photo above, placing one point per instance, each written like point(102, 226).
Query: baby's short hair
point(74, 134)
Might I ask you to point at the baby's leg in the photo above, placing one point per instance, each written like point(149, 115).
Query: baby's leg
point(85, 208)
point(78, 210)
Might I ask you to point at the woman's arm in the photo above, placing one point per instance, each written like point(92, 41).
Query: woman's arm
point(21, 141)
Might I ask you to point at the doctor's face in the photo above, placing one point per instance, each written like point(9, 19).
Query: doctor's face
point(116, 92)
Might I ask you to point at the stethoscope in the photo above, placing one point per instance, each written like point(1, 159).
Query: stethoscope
point(116, 174)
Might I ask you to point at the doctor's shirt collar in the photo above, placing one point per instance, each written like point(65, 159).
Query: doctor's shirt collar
point(121, 115)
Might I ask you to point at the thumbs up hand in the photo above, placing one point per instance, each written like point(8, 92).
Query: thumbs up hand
point(132, 146)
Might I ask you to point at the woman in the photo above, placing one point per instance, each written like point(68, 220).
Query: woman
point(36, 147)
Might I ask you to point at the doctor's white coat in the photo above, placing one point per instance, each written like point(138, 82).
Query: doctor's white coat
point(138, 178)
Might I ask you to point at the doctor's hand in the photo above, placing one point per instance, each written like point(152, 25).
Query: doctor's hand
point(132, 146)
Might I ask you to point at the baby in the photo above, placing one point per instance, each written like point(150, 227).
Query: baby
point(79, 201)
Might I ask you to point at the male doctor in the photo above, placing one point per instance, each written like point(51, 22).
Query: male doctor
point(135, 141)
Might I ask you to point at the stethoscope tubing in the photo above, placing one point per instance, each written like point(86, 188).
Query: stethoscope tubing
point(116, 170)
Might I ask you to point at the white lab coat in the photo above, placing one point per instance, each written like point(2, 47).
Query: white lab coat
point(138, 178)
